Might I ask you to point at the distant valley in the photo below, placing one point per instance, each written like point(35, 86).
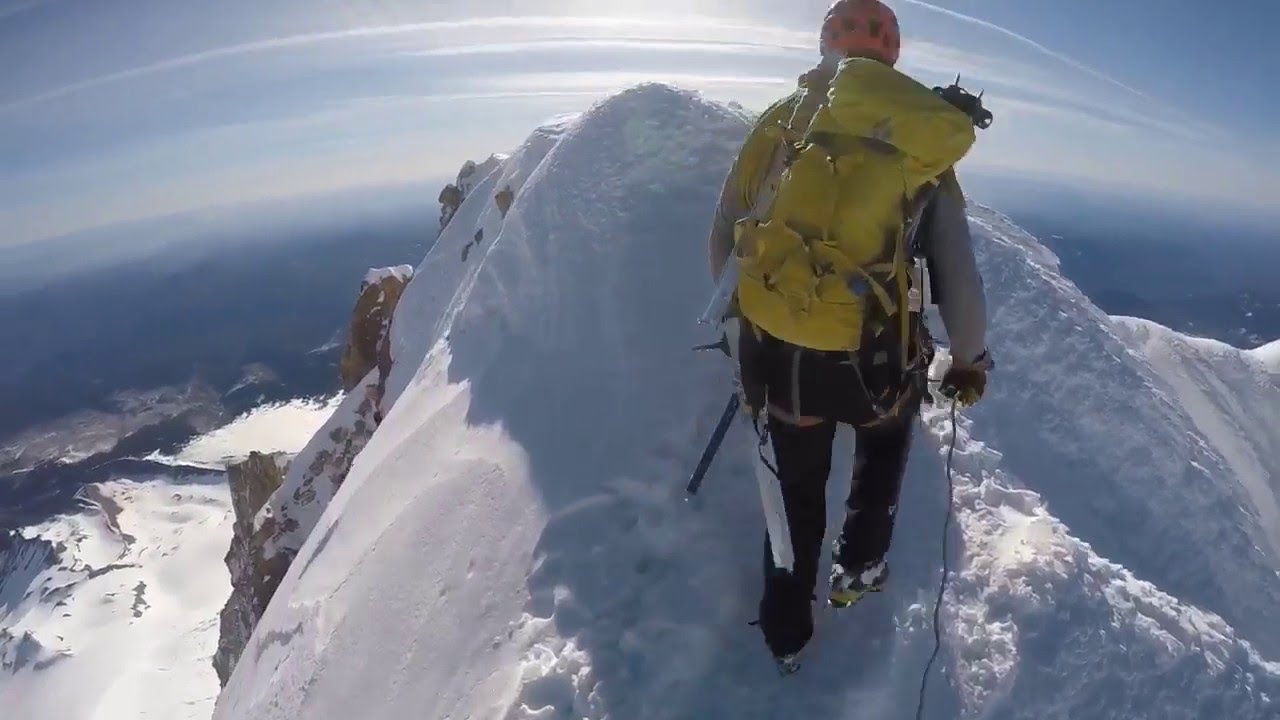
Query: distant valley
point(118, 360)
point(1200, 272)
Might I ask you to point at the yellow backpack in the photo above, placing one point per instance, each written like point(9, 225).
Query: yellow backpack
point(828, 249)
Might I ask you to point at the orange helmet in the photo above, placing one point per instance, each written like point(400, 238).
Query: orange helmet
point(861, 28)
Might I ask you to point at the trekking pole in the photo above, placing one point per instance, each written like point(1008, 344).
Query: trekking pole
point(717, 437)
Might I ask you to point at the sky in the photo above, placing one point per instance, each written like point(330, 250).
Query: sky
point(119, 110)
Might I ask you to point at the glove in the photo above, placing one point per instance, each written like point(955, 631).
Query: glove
point(966, 383)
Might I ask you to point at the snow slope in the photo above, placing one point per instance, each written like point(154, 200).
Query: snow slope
point(1232, 399)
point(1086, 421)
point(122, 622)
point(317, 470)
point(111, 613)
point(514, 542)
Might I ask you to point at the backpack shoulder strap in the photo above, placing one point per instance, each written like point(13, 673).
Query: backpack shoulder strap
point(788, 129)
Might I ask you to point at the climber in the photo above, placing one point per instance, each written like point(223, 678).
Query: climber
point(822, 325)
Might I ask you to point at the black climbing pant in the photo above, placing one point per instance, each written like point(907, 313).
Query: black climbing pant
point(804, 464)
point(868, 390)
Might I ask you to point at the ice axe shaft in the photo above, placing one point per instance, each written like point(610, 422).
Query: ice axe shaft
point(717, 438)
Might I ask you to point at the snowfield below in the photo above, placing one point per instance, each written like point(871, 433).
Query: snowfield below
point(281, 427)
point(111, 613)
point(514, 542)
point(124, 622)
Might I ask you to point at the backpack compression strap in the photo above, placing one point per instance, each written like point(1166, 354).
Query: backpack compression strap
point(906, 251)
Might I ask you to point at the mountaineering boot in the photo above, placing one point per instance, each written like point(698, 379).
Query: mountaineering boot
point(786, 618)
point(848, 587)
point(788, 664)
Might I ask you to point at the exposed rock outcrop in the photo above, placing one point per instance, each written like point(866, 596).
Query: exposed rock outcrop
point(276, 507)
point(319, 470)
point(451, 198)
point(20, 651)
point(254, 575)
point(504, 198)
point(469, 177)
point(21, 560)
point(369, 335)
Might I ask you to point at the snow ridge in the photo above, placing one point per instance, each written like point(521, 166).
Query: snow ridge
point(317, 471)
point(1030, 603)
point(375, 276)
point(1232, 400)
point(1084, 416)
point(443, 281)
point(514, 540)
point(1269, 356)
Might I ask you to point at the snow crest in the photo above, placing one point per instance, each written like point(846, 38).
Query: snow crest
point(1081, 415)
point(1232, 401)
point(1042, 627)
point(375, 276)
point(514, 540)
point(1269, 356)
point(317, 472)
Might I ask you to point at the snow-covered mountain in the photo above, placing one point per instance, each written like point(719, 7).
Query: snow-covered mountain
point(1269, 357)
point(274, 428)
point(111, 612)
point(277, 506)
point(469, 177)
point(1233, 397)
point(514, 540)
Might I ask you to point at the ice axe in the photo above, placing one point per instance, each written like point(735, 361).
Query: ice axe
point(967, 103)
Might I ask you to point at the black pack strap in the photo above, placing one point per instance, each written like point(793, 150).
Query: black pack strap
point(913, 381)
point(913, 214)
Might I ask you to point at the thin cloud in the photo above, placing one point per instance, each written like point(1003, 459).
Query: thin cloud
point(374, 32)
point(622, 42)
point(1186, 127)
point(1066, 115)
point(693, 33)
point(605, 81)
point(1066, 59)
point(1046, 97)
point(1019, 78)
point(20, 7)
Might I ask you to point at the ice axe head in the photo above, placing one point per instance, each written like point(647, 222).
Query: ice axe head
point(967, 103)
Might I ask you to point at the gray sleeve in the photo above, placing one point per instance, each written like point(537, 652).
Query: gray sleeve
point(949, 246)
point(728, 212)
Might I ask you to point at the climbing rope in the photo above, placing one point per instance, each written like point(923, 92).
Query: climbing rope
point(942, 587)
